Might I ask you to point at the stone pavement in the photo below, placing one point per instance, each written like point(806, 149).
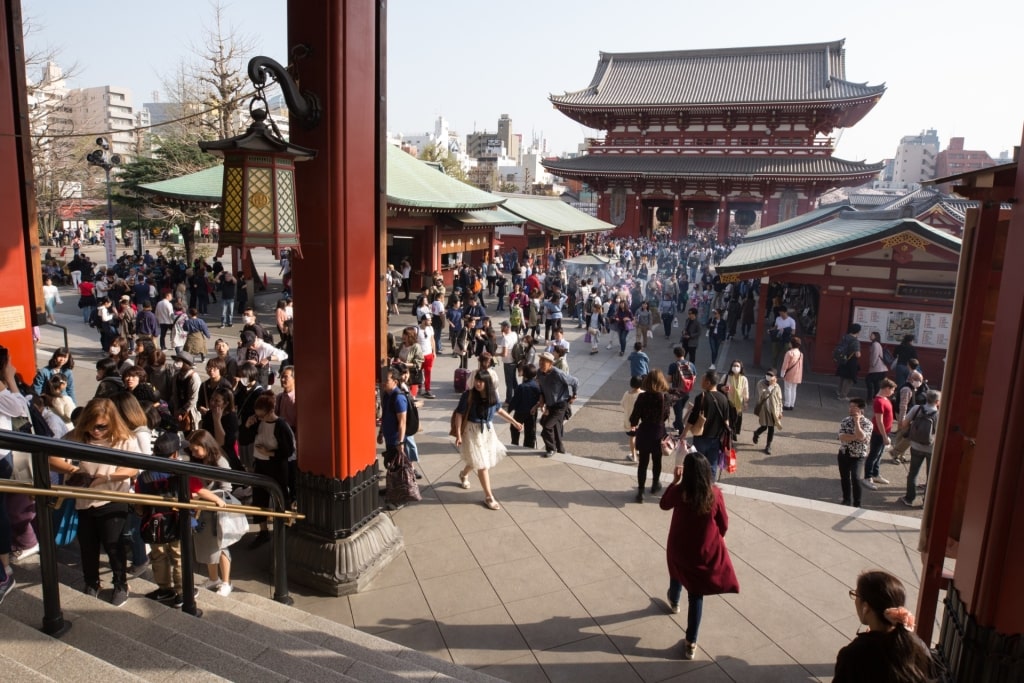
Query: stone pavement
point(567, 581)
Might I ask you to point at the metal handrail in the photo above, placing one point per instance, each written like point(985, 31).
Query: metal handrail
point(42, 447)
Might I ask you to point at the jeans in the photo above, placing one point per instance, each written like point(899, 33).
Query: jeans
point(694, 610)
point(691, 353)
point(102, 527)
point(529, 421)
point(227, 310)
point(623, 338)
point(715, 344)
point(510, 380)
point(711, 448)
point(677, 411)
point(666, 322)
point(850, 475)
point(87, 313)
point(875, 449)
point(654, 458)
point(917, 458)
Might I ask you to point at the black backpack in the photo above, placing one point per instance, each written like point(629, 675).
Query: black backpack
point(922, 426)
point(160, 527)
point(412, 414)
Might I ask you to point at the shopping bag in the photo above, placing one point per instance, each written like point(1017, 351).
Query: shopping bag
point(587, 339)
point(650, 334)
point(231, 526)
point(65, 522)
point(730, 461)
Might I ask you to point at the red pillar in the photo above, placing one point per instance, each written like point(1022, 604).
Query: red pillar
point(770, 212)
point(345, 540)
point(677, 220)
point(723, 220)
point(637, 226)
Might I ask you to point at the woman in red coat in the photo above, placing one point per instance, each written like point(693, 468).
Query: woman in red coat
point(697, 556)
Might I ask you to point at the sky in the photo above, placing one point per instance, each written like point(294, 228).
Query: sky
point(473, 60)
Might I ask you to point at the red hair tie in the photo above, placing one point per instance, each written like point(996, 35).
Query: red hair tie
point(899, 616)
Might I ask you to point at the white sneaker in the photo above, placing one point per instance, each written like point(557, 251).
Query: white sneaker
point(711, 367)
point(225, 589)
point(210, 584)
point(880, 480)
point(25, 553)
point(867, 483)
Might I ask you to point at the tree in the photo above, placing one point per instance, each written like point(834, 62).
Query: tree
point(221, 76)
point(449, 164)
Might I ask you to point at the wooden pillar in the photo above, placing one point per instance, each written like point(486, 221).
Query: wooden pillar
point(723, 220)
point(678, 215)
point(637, 226)
point(770, 212)
point(19, 241)
point(344, 541)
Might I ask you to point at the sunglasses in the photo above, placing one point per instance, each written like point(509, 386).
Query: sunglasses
point(853, 594)
point(99, 428)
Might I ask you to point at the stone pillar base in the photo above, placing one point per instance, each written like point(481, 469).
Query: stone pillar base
point(345, 565)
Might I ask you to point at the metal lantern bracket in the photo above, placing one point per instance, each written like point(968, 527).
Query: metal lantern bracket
point(305, 106)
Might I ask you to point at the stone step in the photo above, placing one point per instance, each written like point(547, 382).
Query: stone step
point(358, 644)
point(226, 651)
point(49, 658)
point(16, 671)
point(103, 631)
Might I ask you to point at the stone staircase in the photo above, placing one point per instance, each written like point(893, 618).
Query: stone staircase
point(242, 637)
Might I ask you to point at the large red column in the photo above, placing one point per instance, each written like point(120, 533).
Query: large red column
point(678, 215)
point(723, 220)
point(345, 540)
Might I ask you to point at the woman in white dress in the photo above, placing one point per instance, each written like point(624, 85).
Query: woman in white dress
point(475, 436)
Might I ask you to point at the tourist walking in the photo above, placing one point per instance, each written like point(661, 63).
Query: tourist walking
point(738, 389)
point(558, 391)
point(881, 423)
point(627, 402)
point(768, 409)
point(650, 411)
point(713, 406)
point(921, 424)
point(475, 436)
point(697, 557)
point(847, 359)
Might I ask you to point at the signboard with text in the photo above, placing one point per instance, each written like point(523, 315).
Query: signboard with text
point(931, 329)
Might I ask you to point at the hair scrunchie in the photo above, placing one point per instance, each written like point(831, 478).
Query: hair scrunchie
point(899, 616)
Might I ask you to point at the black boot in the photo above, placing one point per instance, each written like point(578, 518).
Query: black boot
point(640, 495)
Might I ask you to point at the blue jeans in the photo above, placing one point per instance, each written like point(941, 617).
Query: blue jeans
point(874, 459)
point(227, 310)
point(711, 448)
point(623, 337)
point(715, 343)
point(677, 411)
point(694, 610)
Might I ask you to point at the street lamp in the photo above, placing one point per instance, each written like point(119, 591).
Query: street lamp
point(101, 157)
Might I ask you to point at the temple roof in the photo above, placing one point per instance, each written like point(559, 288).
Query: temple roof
point(798, 247)
point(711, 166)
point(810, 73)
point(553, 214)
point(413, 184)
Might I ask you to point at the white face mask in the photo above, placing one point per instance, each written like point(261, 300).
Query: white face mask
point(178, 365)
point(915, 384)
point(114, 350)
point(249, 320)
point(736, 369)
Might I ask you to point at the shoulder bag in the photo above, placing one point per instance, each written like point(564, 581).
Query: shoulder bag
point(697, 427)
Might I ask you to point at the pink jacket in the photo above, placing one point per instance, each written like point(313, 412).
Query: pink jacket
point(792, 371)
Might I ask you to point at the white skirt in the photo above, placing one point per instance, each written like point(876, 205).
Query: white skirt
point(481, 448)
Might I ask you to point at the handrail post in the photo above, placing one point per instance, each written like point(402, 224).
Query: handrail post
point(280, 555)
point(53, 616)
point(185, 545)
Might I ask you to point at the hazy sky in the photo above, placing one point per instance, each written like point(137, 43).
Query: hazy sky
point(473, 60)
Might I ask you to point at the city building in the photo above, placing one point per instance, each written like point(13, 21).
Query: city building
point(955, 160)
point(717, 134)
point(915, 160)
point(106, 110)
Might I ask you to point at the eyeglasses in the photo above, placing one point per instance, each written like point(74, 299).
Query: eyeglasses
point(99, 428)
point(853, 594)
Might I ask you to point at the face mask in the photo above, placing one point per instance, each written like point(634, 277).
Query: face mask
point(736, 369)
point(915, 384)
point(249, 320)
point(178, 365)
point(114, 350)
point(769, 378)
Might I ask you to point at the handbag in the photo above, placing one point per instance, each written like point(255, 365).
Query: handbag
point(65, 522)
point(401, 480)
point(668, 445)
point(728, 457)
point(650, 334)
point(587, 338)
point(629, 326)
point(231, 526)
point(697, 427)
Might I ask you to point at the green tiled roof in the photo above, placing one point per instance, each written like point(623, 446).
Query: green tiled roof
point(802, 221)
point(808, 73)
point(847, 231)
point(713, 166)
point(486, 217)
point(414, 184)
point(203, 186)
point(553, 214)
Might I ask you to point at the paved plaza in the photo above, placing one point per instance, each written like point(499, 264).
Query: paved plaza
point(567, 582)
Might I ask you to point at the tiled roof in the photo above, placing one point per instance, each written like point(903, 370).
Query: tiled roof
point(486, 217)
point(847, 231)
point(713, 166)
point(804, 220)
point(553, 214)
point(413, 184)
point(751, 75)
point(201, 187)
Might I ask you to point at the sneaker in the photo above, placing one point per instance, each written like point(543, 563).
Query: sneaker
point(427, 394)
point(225, 589)
point(24, 553)
point(138, 570)
point(868, 484)
point(673, 607)
point(418, 474)
point(548, 454)
point(93, 591)
point(210, 584)
point(6, 586)
point(711, 367)
point(908, 503)
point(164, 595)
point(689, 650)
point(655, 488)
point(261, 538)
point(178, 602)
point(880, 480)
point(120, 596)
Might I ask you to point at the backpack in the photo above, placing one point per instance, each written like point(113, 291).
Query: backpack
point(684, 377)
point(515, 316)
point(268, 336)
point(920, 395)
point(887, 357)
point(839, 355)
point(588, 307)
point(160, 527)
point(412, 414)
point(922, 426)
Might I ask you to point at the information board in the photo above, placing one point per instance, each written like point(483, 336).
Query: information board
point(931, 330)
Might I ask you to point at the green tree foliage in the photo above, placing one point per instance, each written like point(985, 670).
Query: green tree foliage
point(449, 164)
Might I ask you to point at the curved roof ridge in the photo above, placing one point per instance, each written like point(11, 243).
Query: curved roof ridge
point(726, 51)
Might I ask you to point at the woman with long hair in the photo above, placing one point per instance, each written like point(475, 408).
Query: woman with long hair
point(889, 651)
point(273, 446)
point(121, 354)
point(101, 523)
point(644, 321)
point(697, 557)
point(208, 548)
point(410, 358)
point(56, 399)
point(474, 432)
point(221, 421)
point(648, 417)
point(61, 363)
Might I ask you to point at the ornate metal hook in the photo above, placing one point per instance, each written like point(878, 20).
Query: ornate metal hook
point(304, 106)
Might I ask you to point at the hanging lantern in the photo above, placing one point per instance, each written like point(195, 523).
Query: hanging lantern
point(664, 214)
point(705, 217)
point(745, 218)
point(258, 200)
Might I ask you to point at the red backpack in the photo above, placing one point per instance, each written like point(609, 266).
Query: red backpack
point(684, 377)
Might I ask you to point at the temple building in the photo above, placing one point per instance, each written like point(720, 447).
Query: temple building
point(715, 137)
